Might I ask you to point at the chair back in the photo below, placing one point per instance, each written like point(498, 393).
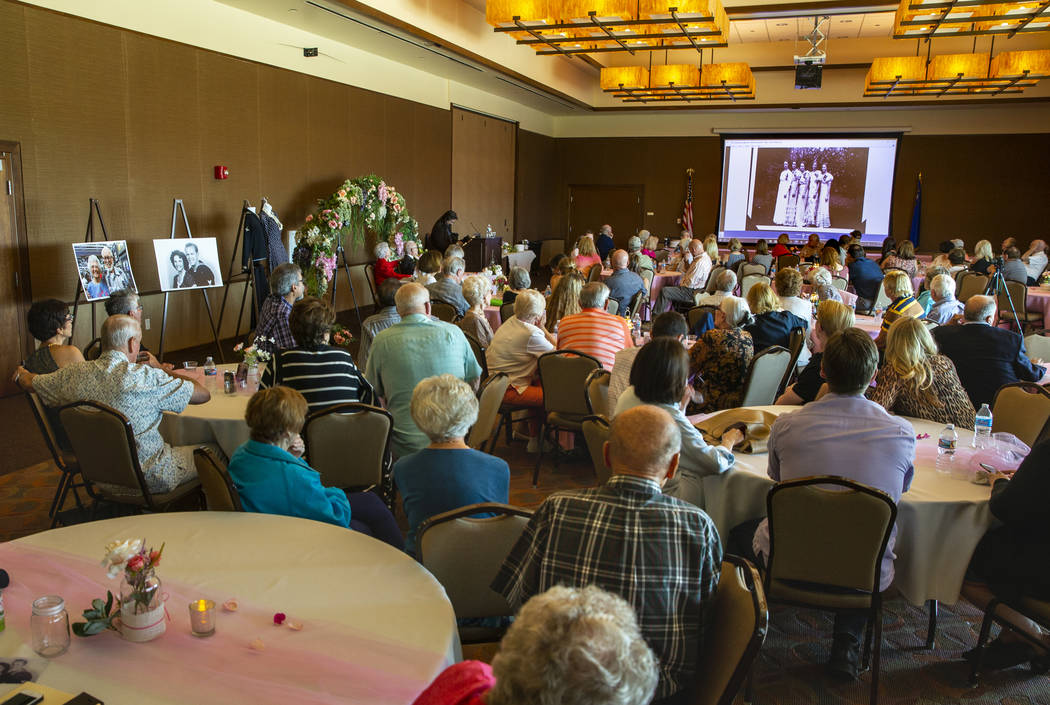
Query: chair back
point(349, 444)
point(1037, 345)
point(596, 433)
point(881, 299)
point(751, 268)
point(647, 276)
point(370, 279)
point(1018, 295)
point(635, 307)
point(958, 276)
point(732, 639)
point(64, 461)
point(840, 283)
point(764, 376)
point(443, 311)
point(464, 553)
point(787, 261)
point(930, 324)
point(490, 398)
point(796, 341)
point(612, 306)
point(971, 284)
point(1022, 409)
point(563, 375)
point(219, 491)
point(749, 280)
point(104, 443)
point(479, 353)
point(710, 288)
point(93, 350)
point(597, 385)
point(696, 314)
point(826, 531)
point(506, 311)
point(594, 274)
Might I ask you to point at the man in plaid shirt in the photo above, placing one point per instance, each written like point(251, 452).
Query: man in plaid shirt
point(659, 553)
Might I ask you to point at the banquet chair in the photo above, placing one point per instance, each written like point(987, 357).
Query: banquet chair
point(107, 452)
point(219, 492)
point(732, 639)
point(1037, 344)
point(594, 274)
point(1033, 608)
point(1019, 297)
point(764, 376)
point(597, 388)
point(93, 350)
point(446, 540)
point(1023, 409)
point(840, 283)
point(647, 276)
point(787, 261)
point(749, 280)
point(815, 562)
point(506, 311)
point(595, 434)
point(612, 306)
point(64, 460)
point(635, 307)
point(443, 311)
point(751, 268)
point(490, 398)
point(563, 376)
point(370, 279)
point(971, 284)
point(882, 301)
point(479, 353)
point(796, 341)
point(696, 314)
point(349, 445)
point(710, 288)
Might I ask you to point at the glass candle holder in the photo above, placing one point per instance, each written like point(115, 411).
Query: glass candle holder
point(202, 618)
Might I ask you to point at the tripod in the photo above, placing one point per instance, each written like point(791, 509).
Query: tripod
point(997, 284)
point(340, 254)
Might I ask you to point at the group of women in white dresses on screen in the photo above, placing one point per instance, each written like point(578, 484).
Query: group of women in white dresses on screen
point(803, 196)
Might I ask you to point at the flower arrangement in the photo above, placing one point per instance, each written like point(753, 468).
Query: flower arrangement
point(141, 593)
point(341, 336)
point(253, 354)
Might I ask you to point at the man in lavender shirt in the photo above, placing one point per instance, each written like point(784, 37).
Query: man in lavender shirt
point(844, 434)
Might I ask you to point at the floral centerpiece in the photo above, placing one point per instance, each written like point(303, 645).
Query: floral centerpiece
point(341, 336)
point(253, 354)
point(139, 613)
point(495, 274)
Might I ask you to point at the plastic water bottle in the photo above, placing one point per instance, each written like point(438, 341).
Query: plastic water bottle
point(211, 373)
point(636, 325)
point(982, 427)
point(946, 449)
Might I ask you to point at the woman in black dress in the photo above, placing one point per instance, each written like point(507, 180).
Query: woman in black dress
point(441, 235)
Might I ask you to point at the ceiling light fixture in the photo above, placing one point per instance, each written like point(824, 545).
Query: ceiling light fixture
point(924, 19)
point(679, 83)
point(957, 74)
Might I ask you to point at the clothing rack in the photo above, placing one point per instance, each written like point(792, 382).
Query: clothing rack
point(236, 275)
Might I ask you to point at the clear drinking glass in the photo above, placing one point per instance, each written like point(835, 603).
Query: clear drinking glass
point(49, 625)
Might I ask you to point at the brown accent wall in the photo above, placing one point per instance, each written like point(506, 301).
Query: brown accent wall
point(537, 196)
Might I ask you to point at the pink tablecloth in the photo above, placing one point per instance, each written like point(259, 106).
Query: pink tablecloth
point(1039, 300)
point(492, 314)
point(870, 324)
point(848, 297)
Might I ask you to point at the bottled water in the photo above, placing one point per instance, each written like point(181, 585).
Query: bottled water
point(211, 373)
point(946, 449)
point(636, 325)
point(982, 427)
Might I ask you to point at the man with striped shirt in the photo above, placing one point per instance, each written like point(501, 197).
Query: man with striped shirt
point(593, 330)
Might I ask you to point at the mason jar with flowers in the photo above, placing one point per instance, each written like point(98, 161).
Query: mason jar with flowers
point(139, 613)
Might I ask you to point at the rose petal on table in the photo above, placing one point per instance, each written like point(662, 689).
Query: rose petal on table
point(278, 619)
point(230, 605)
point(295, 626)
point(257, 645)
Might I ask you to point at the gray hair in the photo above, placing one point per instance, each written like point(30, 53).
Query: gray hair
point(821, 277)
point(726, 280)
point(451, 266)
point(942, 285)
point(574, 645)
point(736, 311)
point(118, 330)
point(979, 307)
point(453, 250)
point(476, 290)
point(594, 295)
point(634, 243)
point(283, 278)
point(519, 278)
point(122, 301)
point(529, 304)
point(411, 298)
point(444, 407)
point(382, 249)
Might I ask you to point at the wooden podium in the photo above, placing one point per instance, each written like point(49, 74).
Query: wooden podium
point(481, 252)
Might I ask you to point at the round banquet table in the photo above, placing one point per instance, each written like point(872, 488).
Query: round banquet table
point(377, 627)
point(1038, 299)
point(940, 518)
point(219, 420)
point(869, 324)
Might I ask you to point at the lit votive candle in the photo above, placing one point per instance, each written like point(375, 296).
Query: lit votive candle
point(202, 617)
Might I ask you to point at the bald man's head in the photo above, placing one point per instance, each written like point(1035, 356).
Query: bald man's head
point(619, 259)
point(643, 441)
point(411, 298)
point(979, 308)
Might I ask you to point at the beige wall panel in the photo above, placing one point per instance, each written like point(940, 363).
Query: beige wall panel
point(483, 166)
point(536, 191)
point(283, 144)
point(15, 117)
point(432, 143)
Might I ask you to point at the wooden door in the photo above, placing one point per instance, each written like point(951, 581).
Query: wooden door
point(484, 155)
point(591, 206)
point(14, 283)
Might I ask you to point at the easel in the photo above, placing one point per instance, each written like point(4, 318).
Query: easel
point(233, 276)
point(176, 208)
point(89, 236)
point(340, 253)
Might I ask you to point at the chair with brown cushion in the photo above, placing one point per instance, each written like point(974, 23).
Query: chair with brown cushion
point(787, 261)
point(563, 376)
point(647, 276)
point(732, 639)
point(596, 433)
point(1037, 344)
point(634, 308)
point(696, 314)
point(490, 398)
point(506, 311)
point(971, 284)
point(219, 491)
point(93, 350)
point(1034, 609)
point(479, 353)
point(827, 536)
point(1023, 409)
point(597, 387)
point(464, 553)
point(349, 445)
point(764, 376)
point(64, 460)
point(370, 279)
point(443, 311)
point(752, 268)
point(594, 274)
point(1018, 295)
point(715, 271)
point(106, 450)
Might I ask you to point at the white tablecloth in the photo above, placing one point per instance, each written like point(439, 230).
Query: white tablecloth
point(377, 627)
point(220, 420)
point(520, 259)
point(940, 519)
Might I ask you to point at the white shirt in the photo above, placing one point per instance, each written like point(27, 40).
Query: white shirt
point(804, 310)
point(514, 350)
point(1035, 264)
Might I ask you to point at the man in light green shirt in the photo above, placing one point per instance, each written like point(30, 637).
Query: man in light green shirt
point(410, 351)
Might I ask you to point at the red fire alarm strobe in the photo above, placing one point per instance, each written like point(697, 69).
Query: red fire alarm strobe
point(222, 172)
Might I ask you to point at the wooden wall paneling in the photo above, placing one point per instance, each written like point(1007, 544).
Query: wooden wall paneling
point(536, 187)
point(432, 145)
point(284, 145)
point(15, 113)
point(483, 164)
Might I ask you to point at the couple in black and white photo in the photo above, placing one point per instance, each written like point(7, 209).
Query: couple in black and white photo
point(188, 263)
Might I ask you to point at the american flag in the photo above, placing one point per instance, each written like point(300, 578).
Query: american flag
point(687, 214)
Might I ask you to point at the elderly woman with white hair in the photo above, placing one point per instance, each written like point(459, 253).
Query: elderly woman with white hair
point(945, 305)
point(386, 264)
point(447, 474)
point(719, 360)
point(518, 280)
point(95, 287)
point(567, 645)
point(476, 289)
point(822, 286)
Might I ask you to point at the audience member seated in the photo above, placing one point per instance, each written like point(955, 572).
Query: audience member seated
point(725, 285)
point(865, 276)
point(286, 287)
point(986, 357)
point(623, 284)
point(770, 326)
point(829, 262)
point(566, 645)
point(650, 244)
point(736, 253)
point(126, 302)
point(324, 374)
point(762, 255)
point(915, 380)
point(518, 280)
point(903, 259)
point(982, 258)
point(476, 289)
point(565, 299)
point(51, 323)
point(788, 282)
point(847, 435)
point(670, 590)
point(516, 346)
point(811, 250)
point(1010, 561)
point(897, 285)
point(681, 258)
point(415, 348)
point(660, 377)
point(1008, 242)
point(386, 264)
point(692, 282)
point(1013, 268)
point(382, 319)
point(447, 474)
point(1035, 261)
point(428, 267)
point(565, 265)
point(587, 255)
point(272, 478)
point(925, 298)
point(140, 392)
point(669, 324)
point(783, 246)
point(637, 259)
point(822, 286)
point(448, 287)
point(593, 330)
point(956, 260)
point(453, 250)
point(941, 260)
point(832, 317)
point(945, 305)
point(719, 360)
point(604, 243)
point(407, 264)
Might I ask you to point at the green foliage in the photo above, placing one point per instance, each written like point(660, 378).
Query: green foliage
point(99, 618)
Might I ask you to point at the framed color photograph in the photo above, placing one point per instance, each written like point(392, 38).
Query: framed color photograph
point(103, 267)
point(187, 263)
